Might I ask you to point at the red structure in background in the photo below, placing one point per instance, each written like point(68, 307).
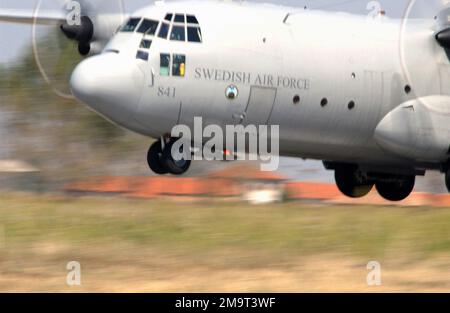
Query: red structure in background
point(232, 182)
point(236, 182)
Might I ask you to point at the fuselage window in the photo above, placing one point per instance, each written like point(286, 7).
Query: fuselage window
point(142, 55)
point(194, 34)
point(169, 17)
point(131, 25)
point(163, 31)
point(179, 65)
point(148, 27)
point(179, 18)
point(145, 44)
point(178, 33)
point(164, 69)
point(191, 19)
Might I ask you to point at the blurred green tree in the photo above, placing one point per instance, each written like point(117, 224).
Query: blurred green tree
point(58, 135)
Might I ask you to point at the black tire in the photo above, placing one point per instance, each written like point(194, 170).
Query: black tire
point(447, 180)
point(174, 167)
point(154, 161)
point(397, 190)
point(348, 184)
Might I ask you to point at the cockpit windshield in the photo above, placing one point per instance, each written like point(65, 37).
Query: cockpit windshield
point(148, 27)
point(163, 31)
point(131, 25)
point(174, 27)
point(177, 33)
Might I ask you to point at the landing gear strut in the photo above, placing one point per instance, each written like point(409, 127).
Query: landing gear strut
point(352, 182)
point(447, 179)
point(161, 161)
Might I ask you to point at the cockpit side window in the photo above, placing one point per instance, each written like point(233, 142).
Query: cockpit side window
point(131, 25)
point(145, 44)
point(176, 69)
point(143, 51)
point(163, 31)
point(164, 69)
point(142, 55)
point(148, 27)
point(179, 65)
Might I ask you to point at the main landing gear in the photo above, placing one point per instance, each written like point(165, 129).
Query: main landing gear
point(355, 183)
point(352, 182)
point(396, 188)
point(161, 161)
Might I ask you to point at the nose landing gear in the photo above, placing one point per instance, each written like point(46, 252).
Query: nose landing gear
point(154, 159)
point(161, 161)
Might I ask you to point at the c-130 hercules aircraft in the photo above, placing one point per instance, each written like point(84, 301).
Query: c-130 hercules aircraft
point(369, 97)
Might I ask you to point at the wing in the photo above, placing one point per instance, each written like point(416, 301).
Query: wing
point(29, 17)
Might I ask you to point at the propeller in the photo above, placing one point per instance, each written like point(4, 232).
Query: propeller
point(83, 33)
point(424, 29)
point(88, 24)
point(93, 21)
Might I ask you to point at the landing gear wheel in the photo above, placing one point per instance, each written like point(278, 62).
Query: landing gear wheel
point(447, 180)
point(397, 190)
point(350, 184)
point(154, 159)
point(175, 167)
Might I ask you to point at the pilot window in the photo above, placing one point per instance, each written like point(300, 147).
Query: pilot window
point(148, 27)
point(145, 44)
point(131, 25)
point(179, 18)
point(182, 28)
point(178, 33)
point(143, 51)
point(169, 17)
point(164, 69)
point(191, 19)
point(179, 65)
point(194, 34)
point(142, 55)
point(163, 31)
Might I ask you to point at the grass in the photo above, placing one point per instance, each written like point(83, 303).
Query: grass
point(234, 235)
point(298, 228)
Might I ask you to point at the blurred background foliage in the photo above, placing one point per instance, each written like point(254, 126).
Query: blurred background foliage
point(59, 136)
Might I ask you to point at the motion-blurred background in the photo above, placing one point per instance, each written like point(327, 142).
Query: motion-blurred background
point(74, 187)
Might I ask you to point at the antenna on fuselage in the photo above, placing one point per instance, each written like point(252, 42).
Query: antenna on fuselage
point(290, 13)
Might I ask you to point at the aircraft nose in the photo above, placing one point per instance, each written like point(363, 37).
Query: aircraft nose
point(109, 84)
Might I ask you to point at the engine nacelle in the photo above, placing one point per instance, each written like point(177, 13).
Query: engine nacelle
point(93, 33)
point(106, 25)
point(418, 129)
